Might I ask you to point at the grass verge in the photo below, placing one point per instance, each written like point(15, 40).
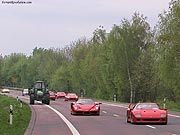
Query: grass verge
point(170, 105)
point(21, 116)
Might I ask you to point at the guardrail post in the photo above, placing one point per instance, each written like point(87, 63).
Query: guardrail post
point(21, 103)
point(164, 103)
point(11, 114)
point(114, 97)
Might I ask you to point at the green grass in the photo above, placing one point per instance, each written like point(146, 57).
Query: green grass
point(21, 116)
point(173, 106)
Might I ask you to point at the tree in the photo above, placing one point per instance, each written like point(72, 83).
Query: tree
point(167, 50)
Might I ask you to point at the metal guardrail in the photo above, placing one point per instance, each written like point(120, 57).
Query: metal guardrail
point(11, 88)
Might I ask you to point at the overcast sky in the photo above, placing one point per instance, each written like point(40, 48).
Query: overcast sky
point(57, 23)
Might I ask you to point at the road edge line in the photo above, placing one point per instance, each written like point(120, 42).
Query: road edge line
point(71, 127)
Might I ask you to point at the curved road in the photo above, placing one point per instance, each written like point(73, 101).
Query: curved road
point(55, 119)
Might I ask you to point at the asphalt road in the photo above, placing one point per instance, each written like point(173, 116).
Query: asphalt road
point(55, 119)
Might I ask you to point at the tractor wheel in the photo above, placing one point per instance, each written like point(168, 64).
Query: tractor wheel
point(43, 102)
point(31, 99)
point(47, 101)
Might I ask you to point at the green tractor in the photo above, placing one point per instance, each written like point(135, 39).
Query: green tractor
point(39, 92)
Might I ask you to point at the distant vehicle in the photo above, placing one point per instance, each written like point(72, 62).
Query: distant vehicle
point(146, 113)
point(85, 106)
point(52, 95)
point(39, 92)
point(25, 92)
point(71, 96)
point(5, 91)
point(60, 94)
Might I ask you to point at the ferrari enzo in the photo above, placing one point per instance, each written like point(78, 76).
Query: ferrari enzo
point(85, 106)
point(71, 96)
point(146, 113)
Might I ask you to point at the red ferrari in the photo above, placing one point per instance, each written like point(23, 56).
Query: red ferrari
point(71, 96)
point(85, 106)
point(146, 113)
point(60, 94)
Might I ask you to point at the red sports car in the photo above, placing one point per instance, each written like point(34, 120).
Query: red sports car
point(71, 96)
point(52, 95)
point(60, 94)
point(146, 113)
point(85, 106)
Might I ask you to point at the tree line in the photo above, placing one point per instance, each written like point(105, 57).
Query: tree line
point(132, 61)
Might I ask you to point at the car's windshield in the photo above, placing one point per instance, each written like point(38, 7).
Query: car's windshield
point(82, 101)
point(51, 93)
point(71, 94)
point(147, 106)
point(60, 93)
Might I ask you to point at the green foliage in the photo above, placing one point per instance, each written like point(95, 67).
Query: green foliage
point(11, 68)
point(167, 50)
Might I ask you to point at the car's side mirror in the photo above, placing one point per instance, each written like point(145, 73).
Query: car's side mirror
point(98, 103)
point(158, 105)
point(72, 103)
point(130, 107)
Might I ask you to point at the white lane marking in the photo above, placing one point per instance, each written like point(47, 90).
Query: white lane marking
point(71, 127)
point(115, 105)
point(174, 115)
point(115, 115)
point(151, 127)
point(104, 111)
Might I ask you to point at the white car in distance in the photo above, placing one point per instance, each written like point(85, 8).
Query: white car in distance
point(25, 92)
